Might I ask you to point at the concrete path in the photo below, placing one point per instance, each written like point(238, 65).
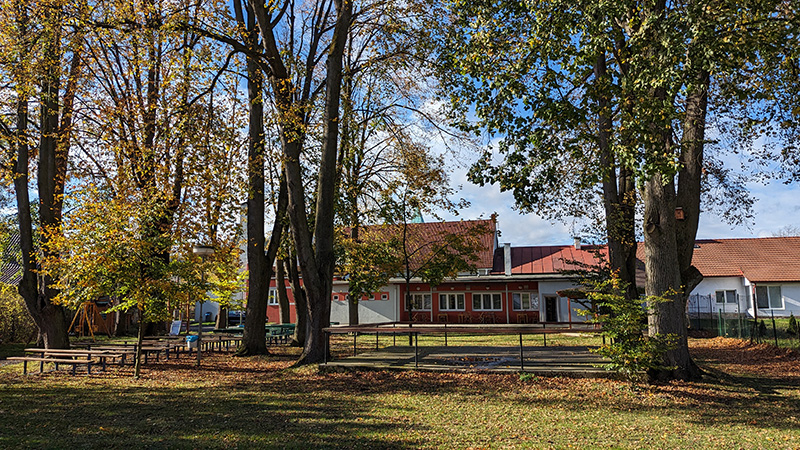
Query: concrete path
point(546, 361)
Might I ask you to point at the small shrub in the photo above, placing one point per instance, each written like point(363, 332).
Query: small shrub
point(630, 350)
point(16, 325)
point(525, 377)
point(792, 330)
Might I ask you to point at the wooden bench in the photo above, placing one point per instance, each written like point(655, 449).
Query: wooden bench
point(41, 360)
point(101, 355)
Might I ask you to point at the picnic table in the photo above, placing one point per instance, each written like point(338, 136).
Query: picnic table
point(67, 357)
point(280, 333)
point(218, 340)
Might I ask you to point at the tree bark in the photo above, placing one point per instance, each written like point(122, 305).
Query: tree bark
point(36, 290)
point(300, 304)
point(283, 298)
point(352, 302)
point(222, 318)
point(619, 192)
point(664, 278)
point(139, 339)
point(254, 340)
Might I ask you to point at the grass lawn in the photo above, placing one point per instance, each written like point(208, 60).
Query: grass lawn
point(751, 399)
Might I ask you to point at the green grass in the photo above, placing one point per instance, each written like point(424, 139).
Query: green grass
point(262, 403)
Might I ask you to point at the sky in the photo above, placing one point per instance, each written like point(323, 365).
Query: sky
point(777, 205)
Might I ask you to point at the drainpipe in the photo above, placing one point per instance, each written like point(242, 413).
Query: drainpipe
point(508, 306)
point(507, 258)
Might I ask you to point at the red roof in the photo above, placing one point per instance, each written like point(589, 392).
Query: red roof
point(758, 259)
point(546, 260)
point(420, 234)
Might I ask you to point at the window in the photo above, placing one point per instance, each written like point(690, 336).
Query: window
point(524, 301)
point(384, 296)
point(273, 297)
point(726, 297)
point(769, 297)
point(421, 302)
point(484, 302)
point(451, 302)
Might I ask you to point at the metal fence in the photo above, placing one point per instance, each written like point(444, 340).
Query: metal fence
point(710, 318)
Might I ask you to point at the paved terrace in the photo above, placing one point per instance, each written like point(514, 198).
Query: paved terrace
point(575, 361)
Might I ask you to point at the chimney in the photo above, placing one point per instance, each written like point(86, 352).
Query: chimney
point(577, 240)
point(507, 257)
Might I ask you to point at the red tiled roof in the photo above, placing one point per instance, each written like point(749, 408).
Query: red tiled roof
point(419, 234)
point(757, 259)
point(546, 260)
point(760, 260)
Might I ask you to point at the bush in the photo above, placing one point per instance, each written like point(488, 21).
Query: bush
point(631, 351)
point(16, 325)
point(793, 330)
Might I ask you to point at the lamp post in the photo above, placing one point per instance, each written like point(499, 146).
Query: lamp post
point(203, 251)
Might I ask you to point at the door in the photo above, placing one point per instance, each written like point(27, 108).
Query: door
point(551, 308)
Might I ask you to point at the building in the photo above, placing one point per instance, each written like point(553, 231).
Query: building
point(532, 284)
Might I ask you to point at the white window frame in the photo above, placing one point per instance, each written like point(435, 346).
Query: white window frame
point(725, 298)
point(445, 303)
point(533, 301)
point(384, 296)
point(482, 304)
point(423, 299)
point(770, 290)
point(272, 297)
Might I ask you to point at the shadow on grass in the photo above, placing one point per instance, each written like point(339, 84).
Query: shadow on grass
point(69, 412)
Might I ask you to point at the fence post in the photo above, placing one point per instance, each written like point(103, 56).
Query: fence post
point(774, 330)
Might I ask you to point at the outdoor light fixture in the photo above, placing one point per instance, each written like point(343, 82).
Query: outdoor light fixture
point(203, 251)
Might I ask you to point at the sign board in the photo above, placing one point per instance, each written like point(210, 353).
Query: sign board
point(175, 328)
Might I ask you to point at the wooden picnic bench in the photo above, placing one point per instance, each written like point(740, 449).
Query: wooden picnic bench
point(55, 361)
point(101, 355)
point(131, 350)
point(218, 340)
point(65, 357)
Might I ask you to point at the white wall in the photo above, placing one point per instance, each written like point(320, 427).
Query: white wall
point(791, 301)
point(369, 311)
point(710, 285)
point(547, 288)
point(208, 306)
point(789, 291)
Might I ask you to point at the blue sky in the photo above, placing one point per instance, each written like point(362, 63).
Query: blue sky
point(777, 205)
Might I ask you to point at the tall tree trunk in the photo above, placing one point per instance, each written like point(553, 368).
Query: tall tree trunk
point(259, 257)
point(352, 302)
point(619, 192)
point(300, 304)
point(139, 339)
point(316, 256)
point(690, 177)
point(38, 291)
point(222, 318)
point(663, 256)
point(664, 278)
point(283, 298)
point(254, 340)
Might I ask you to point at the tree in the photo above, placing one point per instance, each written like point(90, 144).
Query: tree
point(787, 231)
point(626, 84)
point(260, 255)
point(37, 47)
point(383, 147)
point(555, 104)
point(314, 245)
